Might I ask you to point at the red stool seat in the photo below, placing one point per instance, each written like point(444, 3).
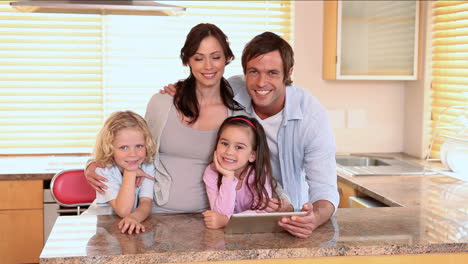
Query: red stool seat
point(70, 189)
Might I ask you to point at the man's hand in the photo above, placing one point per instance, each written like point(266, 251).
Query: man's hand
point(214, 220)
point(170, 89)
point(130, 224)
point(94, 179)
point(277, 205)
point(301, 226)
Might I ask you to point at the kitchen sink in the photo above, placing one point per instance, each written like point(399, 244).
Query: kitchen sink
point(373, 166)
point(360, 161)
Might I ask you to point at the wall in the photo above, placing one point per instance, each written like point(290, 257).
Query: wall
point(380, 105)
point(417, 96)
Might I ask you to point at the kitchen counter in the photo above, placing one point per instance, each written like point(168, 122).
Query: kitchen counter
point(183, 238)
point(402, 190)
point(38, 167)
point(430, 220)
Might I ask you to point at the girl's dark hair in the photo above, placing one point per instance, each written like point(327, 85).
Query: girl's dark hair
point(185, 99)
point(261, 165)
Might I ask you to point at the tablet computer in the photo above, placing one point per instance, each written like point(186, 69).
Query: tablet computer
point(257, 223)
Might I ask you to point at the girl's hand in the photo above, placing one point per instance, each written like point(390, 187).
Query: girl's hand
point(130, 224)
point(277, 205)
point(214, 220)
point(227, 173)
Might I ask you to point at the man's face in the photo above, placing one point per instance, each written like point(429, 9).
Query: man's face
point(264, 82)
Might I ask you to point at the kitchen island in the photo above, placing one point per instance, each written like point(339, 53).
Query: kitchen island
point(430, 232)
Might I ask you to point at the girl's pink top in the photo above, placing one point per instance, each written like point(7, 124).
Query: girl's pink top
point(227, 200)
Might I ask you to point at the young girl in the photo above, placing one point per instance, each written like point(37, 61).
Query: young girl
point(125, 147)
point(239, 179)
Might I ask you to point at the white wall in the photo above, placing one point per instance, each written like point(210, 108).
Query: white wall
point(382, 102)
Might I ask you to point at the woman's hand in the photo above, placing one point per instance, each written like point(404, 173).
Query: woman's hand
point(129, 225)
point(214, 220)
point(226, 173)
point(94, 179)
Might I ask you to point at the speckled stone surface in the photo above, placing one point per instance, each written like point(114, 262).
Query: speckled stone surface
point(183, 238)
point(397, 190)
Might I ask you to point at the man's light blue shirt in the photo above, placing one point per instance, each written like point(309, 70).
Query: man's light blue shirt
point(305, 143)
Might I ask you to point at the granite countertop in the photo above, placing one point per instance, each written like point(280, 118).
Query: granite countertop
point(397, 190)
point(431, 216)
point(183, 238)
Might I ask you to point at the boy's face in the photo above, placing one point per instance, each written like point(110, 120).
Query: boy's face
point(265, 83)
point(129, 149)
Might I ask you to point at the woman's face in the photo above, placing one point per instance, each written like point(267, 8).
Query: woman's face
point(207, 64)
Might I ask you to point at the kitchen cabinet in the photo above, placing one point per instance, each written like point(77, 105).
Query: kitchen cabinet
point(346, 191)
point(21, 220)
point(371, 40)
point(350, 197)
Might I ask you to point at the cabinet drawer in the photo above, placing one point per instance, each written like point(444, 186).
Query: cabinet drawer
point(361, 202)
point(21, 194)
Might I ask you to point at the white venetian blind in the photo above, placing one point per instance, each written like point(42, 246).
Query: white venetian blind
point(449, 69)
point(63, 74)
point(50, 81)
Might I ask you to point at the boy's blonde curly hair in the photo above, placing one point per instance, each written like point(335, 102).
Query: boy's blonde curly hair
point(103, 149)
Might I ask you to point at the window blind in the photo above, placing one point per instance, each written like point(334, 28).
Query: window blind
point(449, 86)
point(63, 74)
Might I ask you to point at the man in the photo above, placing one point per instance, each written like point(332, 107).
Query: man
point(298, 131)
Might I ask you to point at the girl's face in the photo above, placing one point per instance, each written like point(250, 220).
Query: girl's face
point(207, 64)
point(129, 149)
point(234, 149)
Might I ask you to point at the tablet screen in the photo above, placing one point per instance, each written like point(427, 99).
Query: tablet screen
point(257, 223)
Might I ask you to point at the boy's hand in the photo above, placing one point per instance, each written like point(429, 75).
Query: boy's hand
point(170, 89)
point(94, 179)
point(130, 224)
point(140, 177)
point(214, 220)
point(226, 173)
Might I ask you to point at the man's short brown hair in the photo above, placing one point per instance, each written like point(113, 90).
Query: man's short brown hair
point(268, 42)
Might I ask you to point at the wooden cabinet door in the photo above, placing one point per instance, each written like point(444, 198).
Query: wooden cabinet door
point(345, 191)
point(22, 235)
point(21, 221)
point(21, 195)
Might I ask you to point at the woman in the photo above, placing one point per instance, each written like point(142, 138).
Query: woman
point(185, 126)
